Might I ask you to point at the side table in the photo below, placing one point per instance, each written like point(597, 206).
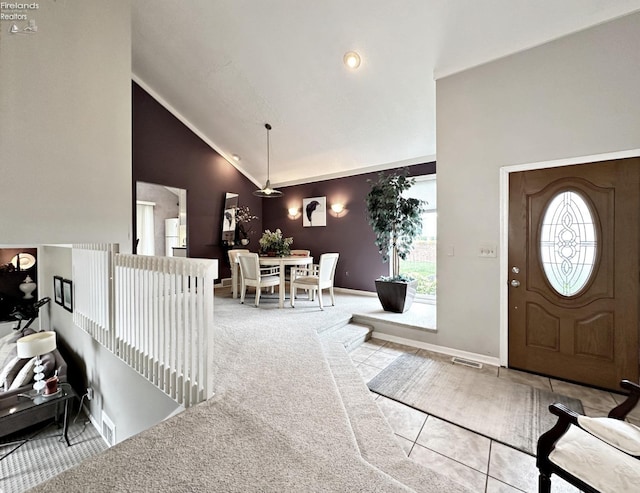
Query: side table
point(31, 407)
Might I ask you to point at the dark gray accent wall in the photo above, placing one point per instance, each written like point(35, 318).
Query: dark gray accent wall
point(166, 152)
point(349, 234)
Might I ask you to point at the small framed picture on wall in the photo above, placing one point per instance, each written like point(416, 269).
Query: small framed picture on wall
point(57, 289)
point(314, 212)
point(67, 295)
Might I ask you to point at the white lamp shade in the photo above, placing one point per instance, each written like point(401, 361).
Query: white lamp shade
point(36, 344)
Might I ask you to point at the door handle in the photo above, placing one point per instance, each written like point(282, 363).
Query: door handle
point(515, 283)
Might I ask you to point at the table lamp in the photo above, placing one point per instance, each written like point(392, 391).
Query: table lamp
point(36, 345)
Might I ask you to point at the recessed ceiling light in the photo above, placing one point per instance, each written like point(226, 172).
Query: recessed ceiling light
point(235, 157)
point(352, 59)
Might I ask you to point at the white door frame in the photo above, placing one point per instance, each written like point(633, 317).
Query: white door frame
point(504, 228)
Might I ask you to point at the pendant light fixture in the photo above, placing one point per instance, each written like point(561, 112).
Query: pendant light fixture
point(267, 192)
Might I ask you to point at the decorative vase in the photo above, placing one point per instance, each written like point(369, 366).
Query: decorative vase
point(396, 296)
point(28, 287)
point(244, 241)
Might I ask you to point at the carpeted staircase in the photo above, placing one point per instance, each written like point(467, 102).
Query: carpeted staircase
point(291, 413)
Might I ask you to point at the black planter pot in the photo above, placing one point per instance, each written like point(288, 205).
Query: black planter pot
point(396, 296)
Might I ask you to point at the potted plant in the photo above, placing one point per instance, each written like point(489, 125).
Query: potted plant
point(274, 244)
point(396, 221)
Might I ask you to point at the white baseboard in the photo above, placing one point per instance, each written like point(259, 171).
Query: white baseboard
point(94, 422)
point(481, 358)
point(356, 292)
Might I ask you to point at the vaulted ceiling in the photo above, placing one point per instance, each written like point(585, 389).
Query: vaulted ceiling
point(227, 67)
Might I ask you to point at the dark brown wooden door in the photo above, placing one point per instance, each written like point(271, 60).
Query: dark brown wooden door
point(574, 272)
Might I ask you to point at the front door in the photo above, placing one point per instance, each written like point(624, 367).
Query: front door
point(574, 272)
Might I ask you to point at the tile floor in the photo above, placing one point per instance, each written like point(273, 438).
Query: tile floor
point(478, 462)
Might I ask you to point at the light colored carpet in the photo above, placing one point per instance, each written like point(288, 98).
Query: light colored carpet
point(511, 413)
point(277, 422)
point(378, 445)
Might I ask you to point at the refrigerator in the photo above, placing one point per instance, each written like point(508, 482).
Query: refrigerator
point(171, 235)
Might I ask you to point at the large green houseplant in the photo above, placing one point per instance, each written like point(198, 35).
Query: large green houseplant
point(396, 221)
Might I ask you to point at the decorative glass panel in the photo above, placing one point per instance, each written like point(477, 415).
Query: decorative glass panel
point(568, 243)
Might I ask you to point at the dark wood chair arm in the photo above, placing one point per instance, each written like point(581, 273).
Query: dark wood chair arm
point(621, 411)
point(546, 442)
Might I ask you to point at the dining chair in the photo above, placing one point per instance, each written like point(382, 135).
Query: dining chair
point(233, 254)
point(315, 278)
point(251, 274)
point(295, 253)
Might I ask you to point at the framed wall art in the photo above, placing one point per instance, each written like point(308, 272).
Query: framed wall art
point(314, 212)
point(67, 295)
point(57, 289)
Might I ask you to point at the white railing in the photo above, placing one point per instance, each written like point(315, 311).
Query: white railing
point(93, 290)
point(161, 321)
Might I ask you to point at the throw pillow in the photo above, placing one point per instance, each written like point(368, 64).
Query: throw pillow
point(21, 333)
point(25, 375)
point(11, 370)
point(6, 345)
point(4, 373)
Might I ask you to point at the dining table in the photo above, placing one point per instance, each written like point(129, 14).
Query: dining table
point(283, 263)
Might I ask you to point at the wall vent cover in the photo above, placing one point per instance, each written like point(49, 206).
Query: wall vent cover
point(108, 430)
point(466, 362)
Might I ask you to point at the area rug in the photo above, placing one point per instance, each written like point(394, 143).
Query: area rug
point(511, 413)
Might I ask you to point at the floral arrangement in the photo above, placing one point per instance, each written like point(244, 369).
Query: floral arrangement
point(243, 215)
point(276, 243)
point(243, 218)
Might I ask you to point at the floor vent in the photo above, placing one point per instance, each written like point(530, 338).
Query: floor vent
point(466, 362)
point(108, 430)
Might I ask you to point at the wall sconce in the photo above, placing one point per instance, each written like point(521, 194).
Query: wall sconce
point(337, 208)
point(293, 212)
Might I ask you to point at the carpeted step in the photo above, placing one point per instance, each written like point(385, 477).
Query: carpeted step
point(341, 320)
point(350, 335)
point(373, 434)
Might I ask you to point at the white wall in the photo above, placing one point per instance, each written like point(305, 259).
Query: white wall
point(65, 170)
point(65, 120)
point(576, 96)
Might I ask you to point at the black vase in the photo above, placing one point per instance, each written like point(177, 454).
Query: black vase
point(396, 296)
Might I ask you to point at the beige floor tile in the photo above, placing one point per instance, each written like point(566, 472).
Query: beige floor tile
point(513, 467)
point(404, 420)
point(373, 343)
point(456, 443)
point(367, 372)
point(525, 378)
point(406, 445)
point(395, 348)
point(380, 360)
point(593, 413)
point(593, 398)
point(361, 353)
point(446, 358)
point(495, 486)
point(464, 475)
point(634, 415)
point(424, 353)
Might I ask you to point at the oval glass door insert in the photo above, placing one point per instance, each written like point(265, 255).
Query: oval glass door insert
point(568, 243)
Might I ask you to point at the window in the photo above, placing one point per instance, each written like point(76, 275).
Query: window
point(421, 262)
point(568, 243)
